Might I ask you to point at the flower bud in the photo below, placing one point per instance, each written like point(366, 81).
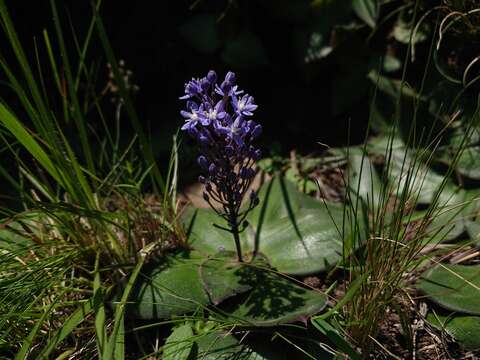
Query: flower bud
point(202, 179)
point(212, 76)
point(212, 169)
point(230, 78)
point(228, 119)
point(257, 130)
point(228, 150)
point(205, 84)
point(202, 161)
point(203, 140)
point(257, 154)
point(192, 88)
point(226, 87)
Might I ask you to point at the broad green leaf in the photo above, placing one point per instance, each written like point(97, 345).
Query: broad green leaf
point(13, 237)
point(362, 178)
point(219, 345)
point(275, 300)
point(179, 344)
point(407, 169)
point(173, 288)
point(455, 287)
point(468, 163)
point(185, 284)
point(296, 233)
point(250, 345)
point(367, 10)
point(455, 211)
point(455, 207)
point(224, 277)
point(464, 329)
point(473, 229)
point(201, 33)
point(402, 32)
point(391, 64)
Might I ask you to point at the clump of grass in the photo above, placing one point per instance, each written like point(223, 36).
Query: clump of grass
point(87, 224)
point(396, 235)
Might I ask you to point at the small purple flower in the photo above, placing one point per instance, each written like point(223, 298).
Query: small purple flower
point(193, 116)
point(215, 113)
point(228, 87)
point(192, 89)
point(230, 91)
point(244, 105)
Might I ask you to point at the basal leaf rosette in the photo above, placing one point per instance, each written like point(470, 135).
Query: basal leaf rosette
point(296, 233)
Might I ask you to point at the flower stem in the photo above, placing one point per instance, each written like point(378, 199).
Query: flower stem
point(236, 237)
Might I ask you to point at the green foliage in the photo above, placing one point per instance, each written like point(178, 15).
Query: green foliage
point(88, 238)
point(464, 329)
point(179, 344)
point(367, 10)
point(185, 284)
point(67, 185)
point(224, 346)
point(275, 300)
point(338, 339)
point(454, 287)
point(296, 234)
point(172, 289)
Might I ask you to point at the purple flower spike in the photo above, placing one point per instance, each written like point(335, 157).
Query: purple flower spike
point(215, 116)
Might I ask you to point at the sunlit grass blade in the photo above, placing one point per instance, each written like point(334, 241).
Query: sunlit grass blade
point(23, 136)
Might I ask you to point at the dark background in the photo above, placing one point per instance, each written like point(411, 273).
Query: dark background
point(166, 43)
